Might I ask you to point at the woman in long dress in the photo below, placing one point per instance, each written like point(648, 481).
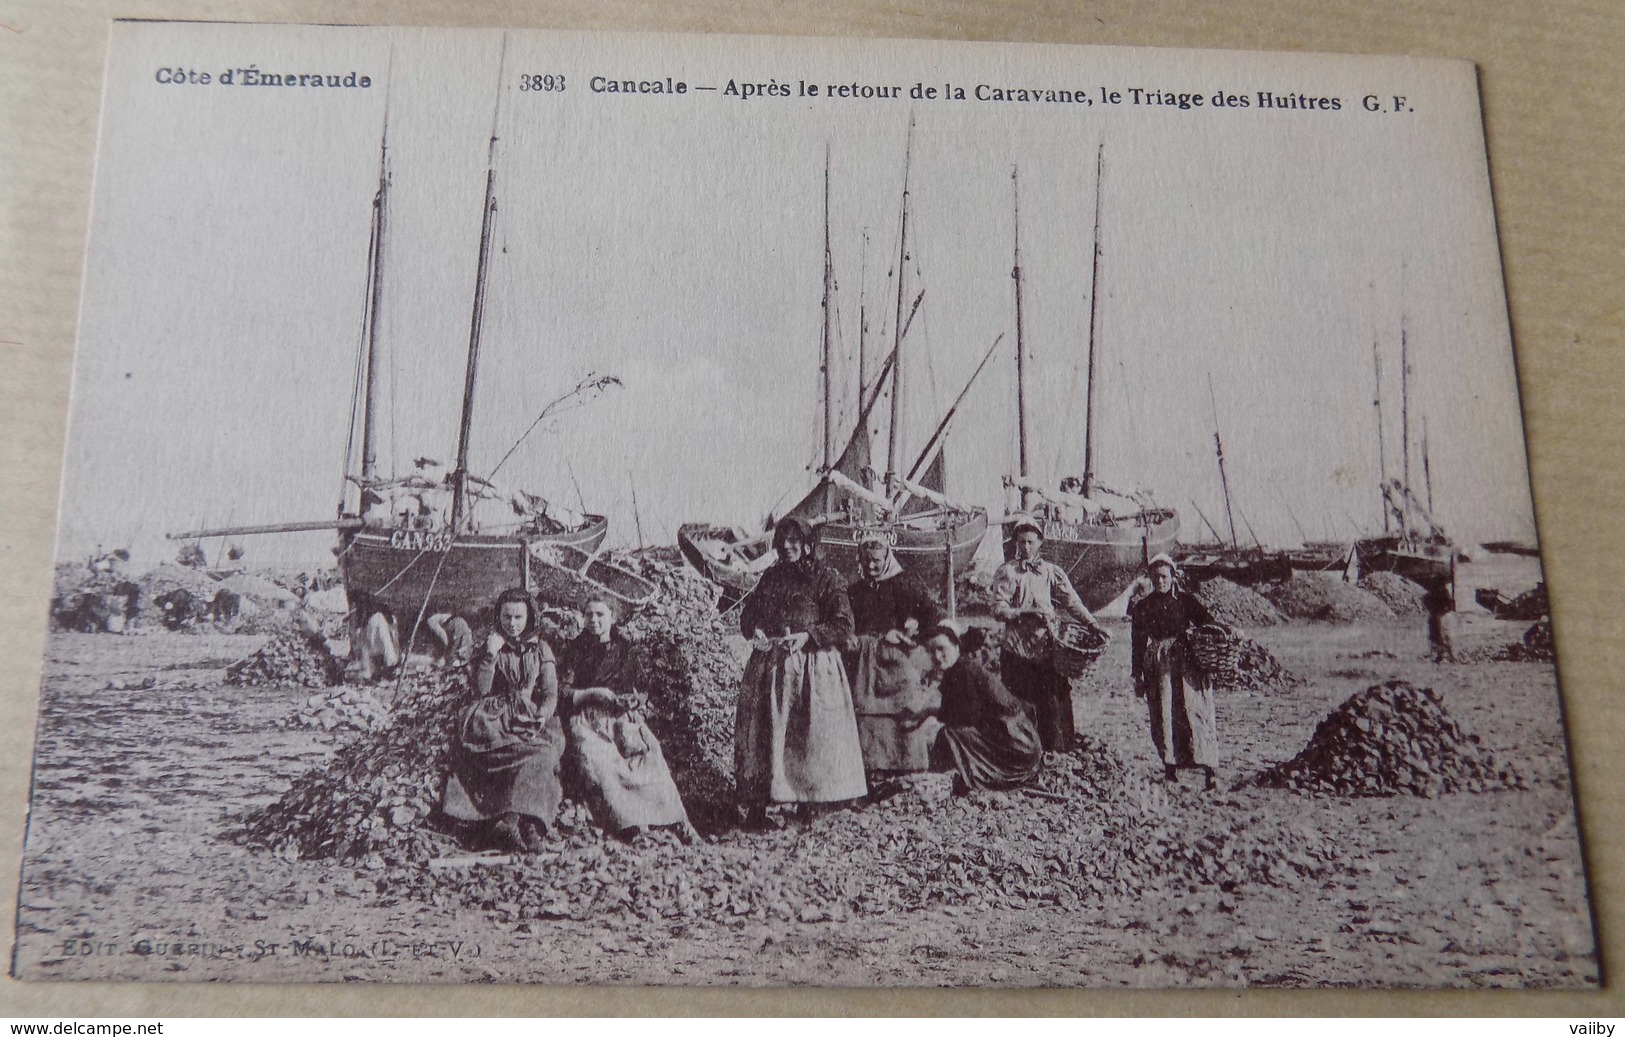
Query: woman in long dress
point(795, 733)
point(505, 760)
point(988, 735)
point(1179, 700)
point(613, 760)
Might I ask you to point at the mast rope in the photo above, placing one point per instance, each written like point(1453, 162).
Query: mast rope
point(404, 569)
point(406, 649)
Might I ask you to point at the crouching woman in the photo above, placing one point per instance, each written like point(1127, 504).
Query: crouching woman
point(505, 758)
point(987, 737)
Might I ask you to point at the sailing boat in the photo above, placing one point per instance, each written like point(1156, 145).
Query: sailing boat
point(414, 546)
point(932, 536)
point(1413, 543)
point(1244, 565)
point(1101, 548)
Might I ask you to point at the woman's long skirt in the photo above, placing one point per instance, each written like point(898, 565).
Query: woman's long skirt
point(618, 770)
point(1003, 754)
point(795, 735)
point(1181, 706)
point(888, 685)
point(1035, 682)
point(505, 760)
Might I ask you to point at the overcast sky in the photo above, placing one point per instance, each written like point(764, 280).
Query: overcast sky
point(676, 243)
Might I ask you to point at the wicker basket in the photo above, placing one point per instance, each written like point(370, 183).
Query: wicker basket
point(1076, 649)
point(1212, 649)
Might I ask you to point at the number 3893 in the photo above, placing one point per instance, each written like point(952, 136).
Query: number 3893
point(542, 83)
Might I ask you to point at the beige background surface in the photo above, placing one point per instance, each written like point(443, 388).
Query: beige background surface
point(1554, 102)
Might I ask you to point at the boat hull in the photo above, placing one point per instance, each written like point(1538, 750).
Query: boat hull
point(711, 550)
point(407, 572)
point(1246, 569)
point(1419, 561)
point(564, 576)
point(1318, 557)
point(1102, 560)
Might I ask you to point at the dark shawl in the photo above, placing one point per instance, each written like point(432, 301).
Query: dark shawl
point(804, 597)
point(591, 663)
point(889, 603)
point(1159, 616)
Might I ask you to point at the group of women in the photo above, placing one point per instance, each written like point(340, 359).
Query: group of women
point(541, 725)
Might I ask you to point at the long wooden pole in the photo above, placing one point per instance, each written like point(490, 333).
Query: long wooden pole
point(637, 517)
point(894, 442)
point(375, 302)
point(1224, 480)
point(934, 444)
point(1405, 401)
point(863, 318)
point(1022, 465)
point(459, 504)
point(863, 346)
point(1094, 332)
point(1427, 469)
point(348, 523)
point(1382, 449)
point(825, 364)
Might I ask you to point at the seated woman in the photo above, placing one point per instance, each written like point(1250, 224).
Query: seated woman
point(987, 735)
point(612, 757)
point(505, 760)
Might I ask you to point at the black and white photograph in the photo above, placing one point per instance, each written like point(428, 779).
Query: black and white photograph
point(581, 508)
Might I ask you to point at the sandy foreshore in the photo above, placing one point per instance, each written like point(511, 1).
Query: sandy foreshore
point(129, 874)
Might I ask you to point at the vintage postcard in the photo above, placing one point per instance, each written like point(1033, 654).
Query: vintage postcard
point(566, 507)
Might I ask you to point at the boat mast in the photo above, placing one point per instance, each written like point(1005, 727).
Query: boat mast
point(1405, 407)
point(1427, 472)
point(1094, 327)
point(863, 345)
point(863, 317)
point(829, 417)
point(369, 408)
point(459, 475)
point(1382, 450)
point(934, 444)
point(1021, 351)
point(894, 438)
point(1224, 480)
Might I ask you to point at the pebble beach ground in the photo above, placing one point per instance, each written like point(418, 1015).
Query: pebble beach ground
point(131, 872)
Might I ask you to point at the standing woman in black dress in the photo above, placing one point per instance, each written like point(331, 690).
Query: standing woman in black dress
point(1179, 700)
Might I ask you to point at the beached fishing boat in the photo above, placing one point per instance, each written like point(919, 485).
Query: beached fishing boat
point(436, 541)
point(569, 577)
point(1413, 543)
point(1255, 564)
point(1100, 538)
point(933, 537)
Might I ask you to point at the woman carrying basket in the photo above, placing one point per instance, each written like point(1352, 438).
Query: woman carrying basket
point(1028, 595)
point(1179, 699)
